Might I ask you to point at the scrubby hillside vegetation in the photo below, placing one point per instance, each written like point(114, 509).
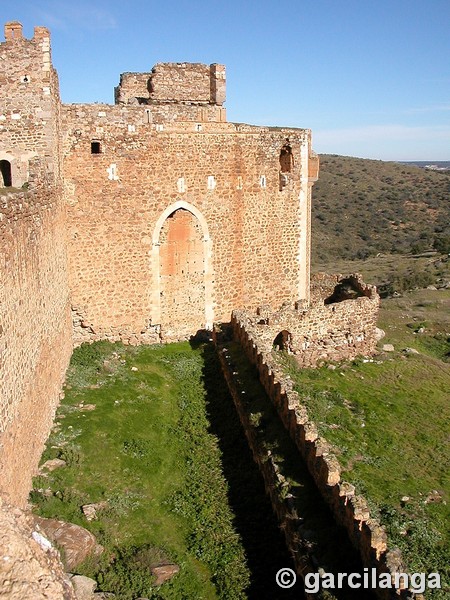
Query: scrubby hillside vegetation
point(363, 207)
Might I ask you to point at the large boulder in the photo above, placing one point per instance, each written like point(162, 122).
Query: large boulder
point(76, 542)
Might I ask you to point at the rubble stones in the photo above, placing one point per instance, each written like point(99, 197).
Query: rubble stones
point(90, 510)
point(84, 587)
point(52, 464)
point(164, 572)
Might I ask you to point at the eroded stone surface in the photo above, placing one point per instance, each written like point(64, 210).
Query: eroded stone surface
point(52, 464)
point(27, 569)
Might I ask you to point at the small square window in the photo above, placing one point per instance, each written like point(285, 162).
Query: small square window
point(95, 148)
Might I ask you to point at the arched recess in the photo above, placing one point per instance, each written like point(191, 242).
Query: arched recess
point(5, 173)
point(199, 223)
point(283, 341)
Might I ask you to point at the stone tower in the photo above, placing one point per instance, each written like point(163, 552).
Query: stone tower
point(29, 107)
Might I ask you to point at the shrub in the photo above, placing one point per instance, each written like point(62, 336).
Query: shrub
point(442, 243)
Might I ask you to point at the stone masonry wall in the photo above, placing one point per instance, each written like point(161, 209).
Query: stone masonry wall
point(35, 330)
point(252, 232)
point(29, 103)
point(320, 332)
point(123, 208)
point(35, 336)
point(349, 508)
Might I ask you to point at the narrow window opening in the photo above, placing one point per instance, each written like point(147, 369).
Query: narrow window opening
point(5, 173)
point(286, 157)
point(95, 148)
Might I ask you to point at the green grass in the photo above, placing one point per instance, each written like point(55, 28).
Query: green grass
point(393, 272)
point(145, 449)
point(389, 421)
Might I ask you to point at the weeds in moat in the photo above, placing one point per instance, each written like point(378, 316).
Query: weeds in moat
point(133, 431)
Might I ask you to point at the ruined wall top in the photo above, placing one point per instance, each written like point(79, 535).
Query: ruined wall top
point(186, 83)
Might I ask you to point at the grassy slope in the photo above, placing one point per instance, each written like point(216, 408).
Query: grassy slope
point(146, 450)
point(389, 421)
point(362, 207)
point(394, 272)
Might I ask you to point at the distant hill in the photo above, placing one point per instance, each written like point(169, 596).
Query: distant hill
point(437, 165)
point(362, 207)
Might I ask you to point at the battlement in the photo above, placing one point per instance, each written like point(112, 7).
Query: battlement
point(29, 105)
point(14, 33)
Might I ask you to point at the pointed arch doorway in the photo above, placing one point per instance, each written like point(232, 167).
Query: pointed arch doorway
point(182, 272)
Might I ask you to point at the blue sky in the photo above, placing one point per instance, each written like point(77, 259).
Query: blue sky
point(371, 78)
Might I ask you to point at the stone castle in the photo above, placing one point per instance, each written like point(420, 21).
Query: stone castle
point(144, 221)
point(141, 221)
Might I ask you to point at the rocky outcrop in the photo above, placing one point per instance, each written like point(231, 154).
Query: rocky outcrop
point(30, 567)
point(84, 587)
